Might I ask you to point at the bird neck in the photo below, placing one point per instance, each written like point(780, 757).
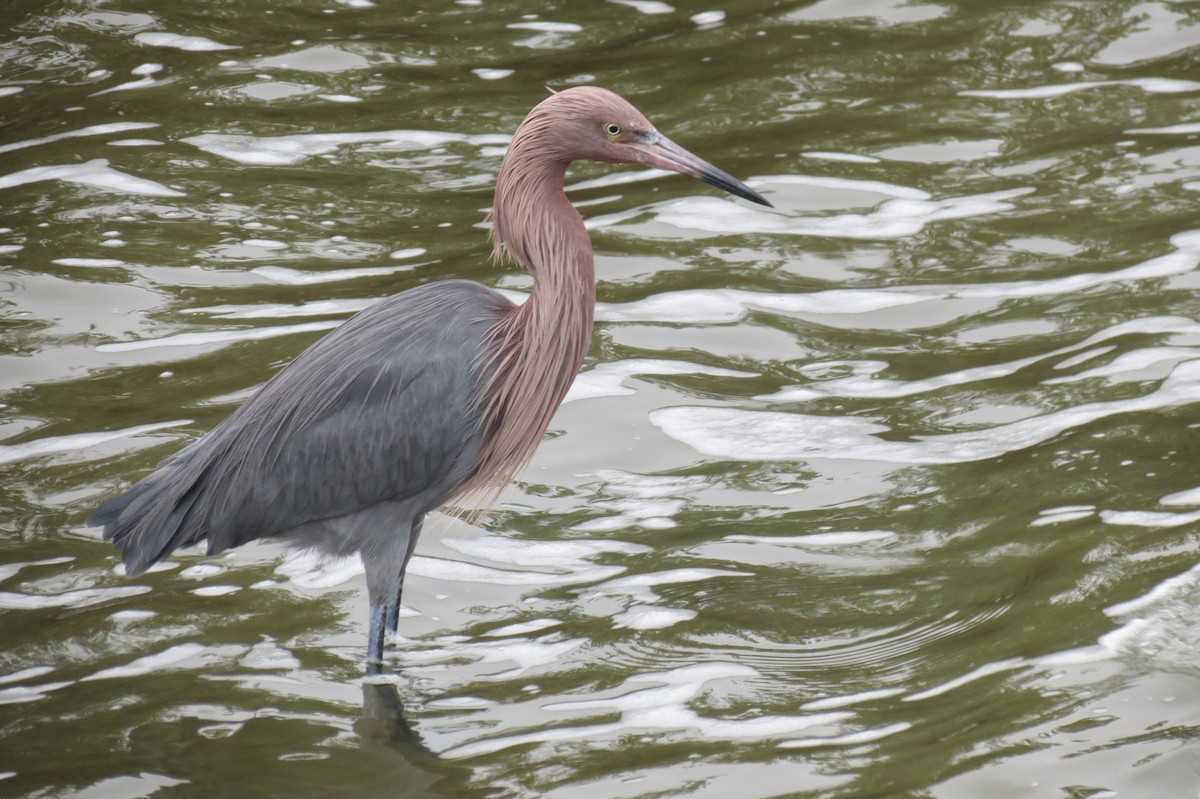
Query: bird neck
point(534, 223)
point(536, 348)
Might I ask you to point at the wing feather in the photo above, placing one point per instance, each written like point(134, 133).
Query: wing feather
point(383, 409)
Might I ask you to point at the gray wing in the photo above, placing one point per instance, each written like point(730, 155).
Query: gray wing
point(382, 409)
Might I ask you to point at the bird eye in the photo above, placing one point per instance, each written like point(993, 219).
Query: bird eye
point(612, 129)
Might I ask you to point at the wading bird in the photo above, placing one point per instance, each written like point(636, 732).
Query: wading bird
point(439, 393)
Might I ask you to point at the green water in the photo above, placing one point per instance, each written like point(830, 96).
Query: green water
point(888, 492)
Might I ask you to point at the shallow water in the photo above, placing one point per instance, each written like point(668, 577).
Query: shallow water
point(891, 491)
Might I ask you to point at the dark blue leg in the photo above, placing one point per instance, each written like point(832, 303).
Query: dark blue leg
point(375, 637)
point(385, 567)
point(392, 617)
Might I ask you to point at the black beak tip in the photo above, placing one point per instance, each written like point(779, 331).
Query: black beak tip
point(758, 198)
point(726, 182)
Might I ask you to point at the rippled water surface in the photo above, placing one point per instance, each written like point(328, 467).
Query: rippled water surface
point(890, 491)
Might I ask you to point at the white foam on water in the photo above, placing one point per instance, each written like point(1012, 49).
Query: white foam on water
point(649, 617)
point(1066, 509)
point(1047, 519)
point(893, 219)
point(132, 615)
point(216, 337)
point(523, 655)
point(294, 277)
point(143, 785)
point(563, 554)
point(1146, 518)
point(847, 184)
point(706, 306)
point(983, 671)
point(201, 571)
point(632, 512)
point(731, 305)
point(1168, 589)
point(552, 562)
point(1189, 497)
point(546, 27)
point(281, 311)
point(646, 486)
point(742, 435)
point(492, 74)
point(91, 130)
point(849, 739)
point(882, 12)
point(608, 379)
point(174, 657)
point(310, 569)
point(9, 91)
point(216, 590)
point(135, 143)
point(1125, 638)
point(708, 18)
point(661, 707)
point(1075, 657)
point(9, 569)
point(851, 158)
point(294, 148)
point(459, 703)
point(638, 587)
point(1130, 363)
point(851, 699)
point(29, 693)
point(95, 173)
point(140, 83)
point(96, 263)
point(77, 441)
point(81, 598)
point(25, 674)
point(462, 572)
point(1185, 129)
point(269, 656)
point(1148, 85)
point(817, 539)
point(180, 42)
point(522, 628)
point(265, 244)
point(1160, 631)
point(649, 7)
point(7, 248)
point(864, 382)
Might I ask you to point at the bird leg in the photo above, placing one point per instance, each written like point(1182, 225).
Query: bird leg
point(391, 619)
point(384, 581)
point(375, 639)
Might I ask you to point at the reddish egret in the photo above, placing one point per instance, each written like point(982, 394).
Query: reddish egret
point(438, 393)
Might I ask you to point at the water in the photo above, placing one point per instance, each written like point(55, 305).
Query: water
point(891, 491)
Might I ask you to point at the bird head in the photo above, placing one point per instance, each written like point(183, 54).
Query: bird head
point(594, 124)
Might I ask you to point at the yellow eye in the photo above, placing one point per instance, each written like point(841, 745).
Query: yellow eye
point(613, 130)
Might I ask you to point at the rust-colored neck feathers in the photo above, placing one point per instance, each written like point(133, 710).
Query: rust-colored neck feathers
point(538, 347)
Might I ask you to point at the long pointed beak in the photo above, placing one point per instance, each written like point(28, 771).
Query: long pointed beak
point(663, 153)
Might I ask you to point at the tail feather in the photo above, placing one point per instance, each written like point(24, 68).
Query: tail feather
point(150, 520)
point(110, 511)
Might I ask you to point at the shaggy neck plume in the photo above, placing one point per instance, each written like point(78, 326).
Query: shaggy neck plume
point(538, 347)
